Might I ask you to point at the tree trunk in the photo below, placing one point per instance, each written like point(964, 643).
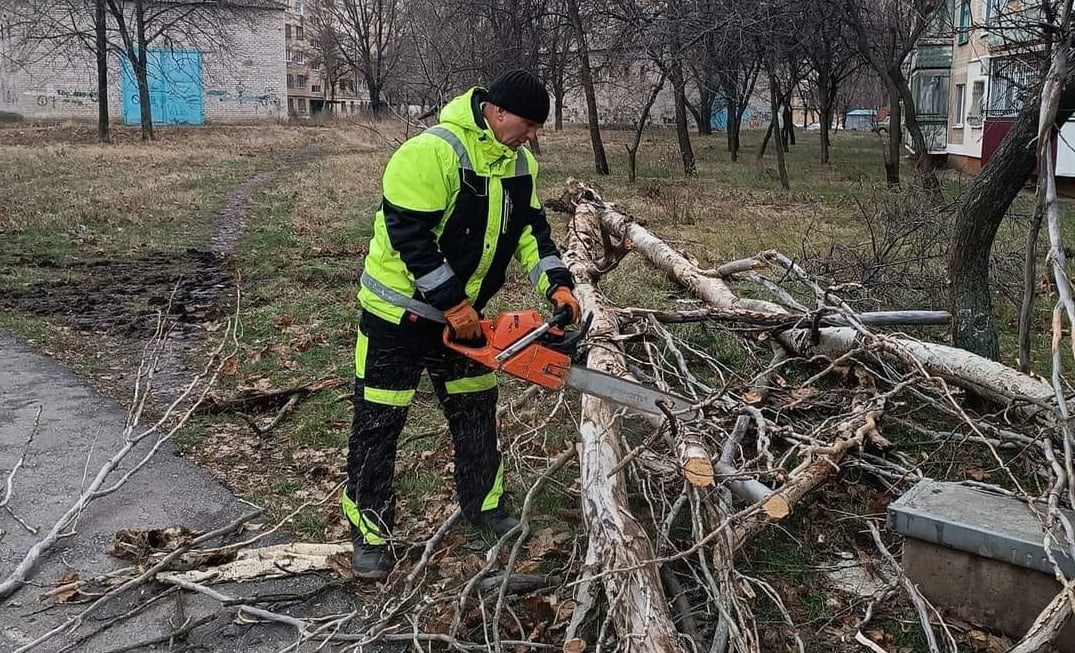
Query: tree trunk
point(702, 117)
point(599, 158)
point(781, 163)
point(643, 118)
point(679, 91)
point(374, 90)
point(1026, 311)
point(101, 47)
point(558, 121)
point(895, 135)
point(978, 216)
point(826, 93)
point(141, 71)
point(732, 127)
point(789, 125)
point(765, 142)
point(925, 173)
point(638, 607)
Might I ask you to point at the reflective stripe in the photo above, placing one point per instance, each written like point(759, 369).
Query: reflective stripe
point(421, 309)
point(471, 384)
point(428, 282)
point(361, 347)
point(544, 265)
point(399, 398)
point(368, 529)
point(457, 145)
point(492, 500)
point(522, 163)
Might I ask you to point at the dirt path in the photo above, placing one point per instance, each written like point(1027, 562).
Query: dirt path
point(117, 298)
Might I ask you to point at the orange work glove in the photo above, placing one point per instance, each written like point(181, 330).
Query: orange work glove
point(464, 321)
point(563, 298)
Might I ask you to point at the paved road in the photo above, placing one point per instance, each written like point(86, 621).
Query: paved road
point(79, 424)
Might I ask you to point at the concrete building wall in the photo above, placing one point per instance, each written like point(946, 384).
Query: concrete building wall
point(246, 82)
point(970, 65)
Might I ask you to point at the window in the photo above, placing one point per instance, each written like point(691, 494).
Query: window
point(291, 81)
point(977, 94)
point(964, 22)
point(315, 88)
point(1012, 79)
point(299, 33)
point(301, 81)
point(931, 94)
point(298, 7)
point(302, 105)
point(960, 104)
point(287, 54)
point(287, 31)
point(298, 56)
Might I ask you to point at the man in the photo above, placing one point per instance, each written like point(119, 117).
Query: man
point(460, 201)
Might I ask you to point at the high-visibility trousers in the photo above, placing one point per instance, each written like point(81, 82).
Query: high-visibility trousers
point(389, 361)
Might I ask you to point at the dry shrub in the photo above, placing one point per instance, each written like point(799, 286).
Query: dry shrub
point(900, 260)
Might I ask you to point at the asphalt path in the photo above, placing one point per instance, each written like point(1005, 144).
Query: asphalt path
point(79, 429)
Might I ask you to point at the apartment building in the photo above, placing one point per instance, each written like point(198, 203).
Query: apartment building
point(970, 83)
point(309, 92)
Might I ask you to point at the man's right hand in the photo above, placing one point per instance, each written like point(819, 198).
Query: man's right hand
point(464, 321)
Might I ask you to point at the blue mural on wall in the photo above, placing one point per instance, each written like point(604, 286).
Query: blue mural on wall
point(175, 88)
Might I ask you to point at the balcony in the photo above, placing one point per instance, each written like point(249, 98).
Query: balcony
point(1013, 25)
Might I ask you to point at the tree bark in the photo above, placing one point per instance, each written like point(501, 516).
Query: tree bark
point(686, 152)
point(895, 135)
point(600, 160)
point(141, 71)
point(632, 149)
point(979, 213)
point(101, 47)
point(925, 172)
point(775, 129)
point(1030, 261)
point(638, 606)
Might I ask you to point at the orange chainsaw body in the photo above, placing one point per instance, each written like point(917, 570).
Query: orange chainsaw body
point(536, 363)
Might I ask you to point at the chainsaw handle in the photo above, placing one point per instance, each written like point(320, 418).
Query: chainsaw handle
point(481, 352)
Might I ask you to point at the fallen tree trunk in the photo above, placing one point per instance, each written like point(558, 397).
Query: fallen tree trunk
point(978, 374)
point(637, 603)
point(983, 376)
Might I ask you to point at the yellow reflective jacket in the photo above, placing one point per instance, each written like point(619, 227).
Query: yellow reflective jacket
point(457, 206)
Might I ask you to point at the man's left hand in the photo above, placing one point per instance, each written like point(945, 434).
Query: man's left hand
point(563, 298)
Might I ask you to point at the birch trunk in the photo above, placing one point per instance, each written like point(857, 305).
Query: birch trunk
point(637, 603)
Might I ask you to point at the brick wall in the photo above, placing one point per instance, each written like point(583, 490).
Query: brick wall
point(245, 83)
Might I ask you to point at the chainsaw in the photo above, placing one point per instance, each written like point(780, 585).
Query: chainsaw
point(523, 345)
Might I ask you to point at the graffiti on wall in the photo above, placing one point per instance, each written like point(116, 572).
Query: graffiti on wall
point(268, 101)
point(65, 98)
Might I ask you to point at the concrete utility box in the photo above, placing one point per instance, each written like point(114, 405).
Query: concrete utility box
point(978, 556)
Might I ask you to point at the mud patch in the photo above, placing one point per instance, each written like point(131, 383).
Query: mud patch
point(122, 297)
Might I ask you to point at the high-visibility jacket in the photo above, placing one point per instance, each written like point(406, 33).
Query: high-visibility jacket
point(457, 207)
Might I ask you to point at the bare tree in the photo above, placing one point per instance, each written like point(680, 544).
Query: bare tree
point(586, 77)
point(560, 63)
point(324, 39)
point(828, 47)
point(886, 32)
point(370, 36)
point(64, 30)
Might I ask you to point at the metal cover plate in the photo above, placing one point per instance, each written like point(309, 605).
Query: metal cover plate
point(976, 521)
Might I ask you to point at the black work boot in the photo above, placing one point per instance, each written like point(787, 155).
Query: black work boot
point(371, 562)
point(497, 521)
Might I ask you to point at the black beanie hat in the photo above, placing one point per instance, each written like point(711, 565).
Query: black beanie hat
point(521, 93)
